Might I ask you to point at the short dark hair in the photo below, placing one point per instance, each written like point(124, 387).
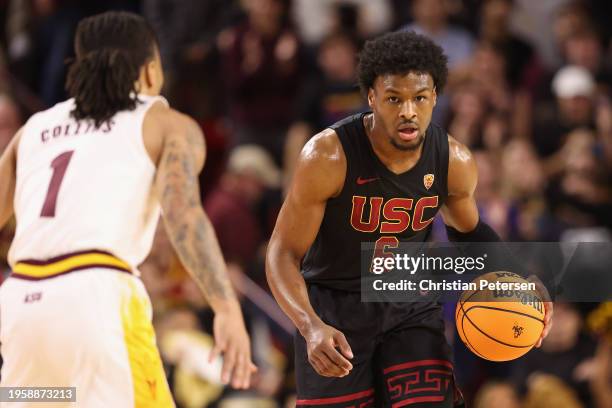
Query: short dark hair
point(110, 49)
point(399, 53)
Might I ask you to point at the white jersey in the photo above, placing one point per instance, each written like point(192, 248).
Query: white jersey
point(80, 188)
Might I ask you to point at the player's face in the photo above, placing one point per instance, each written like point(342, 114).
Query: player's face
point(402, 106)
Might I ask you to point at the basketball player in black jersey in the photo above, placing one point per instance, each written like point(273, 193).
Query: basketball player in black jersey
point(381, 177)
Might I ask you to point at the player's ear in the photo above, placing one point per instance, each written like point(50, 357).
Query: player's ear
point(371, 97)
point(435, 96)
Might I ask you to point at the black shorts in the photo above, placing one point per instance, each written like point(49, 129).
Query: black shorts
point(401, 357)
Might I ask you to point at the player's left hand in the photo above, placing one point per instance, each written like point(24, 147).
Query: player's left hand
point(232, 341)
point(548, 307)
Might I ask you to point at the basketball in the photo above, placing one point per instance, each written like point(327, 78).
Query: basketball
point(500, 320)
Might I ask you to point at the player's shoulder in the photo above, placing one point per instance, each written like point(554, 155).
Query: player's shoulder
point(169, 122)
point(166, 117)
point(162, 124)
point(458, 153)
point(62, 108)
point(462, 171)
point(321, 167)
point(324, 149)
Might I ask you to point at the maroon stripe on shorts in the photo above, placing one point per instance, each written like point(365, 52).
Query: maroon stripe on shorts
point(76, 268)
point(335, 400)
point(417, 400)
point(39, 262)
point(418, 363)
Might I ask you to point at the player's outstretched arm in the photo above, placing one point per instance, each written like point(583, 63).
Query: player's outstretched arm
point(8, 175)
point(460, 213)
point(180, 161)
point(319, 175)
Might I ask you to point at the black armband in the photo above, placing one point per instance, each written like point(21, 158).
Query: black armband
point(484, 240)
point(482, 233)
point(474, 244)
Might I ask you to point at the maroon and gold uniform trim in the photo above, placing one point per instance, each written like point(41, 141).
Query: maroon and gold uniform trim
point(352, 399)
point(33, 269)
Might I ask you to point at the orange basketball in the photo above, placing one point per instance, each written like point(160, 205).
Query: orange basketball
point(501, 318)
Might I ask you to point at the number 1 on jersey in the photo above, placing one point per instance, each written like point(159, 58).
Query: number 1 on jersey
point(59, 166)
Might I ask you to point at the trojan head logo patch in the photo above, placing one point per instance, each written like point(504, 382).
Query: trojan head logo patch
point(428, 180)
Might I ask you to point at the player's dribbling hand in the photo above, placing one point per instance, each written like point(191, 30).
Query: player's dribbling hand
point(323, 343)
point(548, 307)
point(232, 341)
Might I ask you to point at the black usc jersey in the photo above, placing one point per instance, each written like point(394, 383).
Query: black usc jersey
point(375, 205)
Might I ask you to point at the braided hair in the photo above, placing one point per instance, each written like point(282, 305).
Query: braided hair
point(110, 50)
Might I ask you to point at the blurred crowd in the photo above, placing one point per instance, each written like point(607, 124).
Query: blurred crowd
point(529, 91)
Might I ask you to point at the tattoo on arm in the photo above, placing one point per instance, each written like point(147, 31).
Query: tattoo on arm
point(189, 229)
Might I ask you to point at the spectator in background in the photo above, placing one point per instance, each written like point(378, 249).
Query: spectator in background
point(522, 174)
point(535, 20)
point(580, 194)
point(334, 94)
point(10, 120)
point(317, 19)
point(187, 32)
point(431, 19)
point(574, 89)
point(563, 350)
point(20, 41)
point(523, 183)
point(186, 29)
point(468, 112)
point(41, 38)
point(497, 395)
point(232, 206)
point(599, 370)
point(549, 391)
point(603, 119)
point(569, 19)
point(584, 48)
point(495, 29)
point(494, 208)
point(3, 69)
point(481, 98)
point(488, 70)
point(327, 97)
point(262, 69)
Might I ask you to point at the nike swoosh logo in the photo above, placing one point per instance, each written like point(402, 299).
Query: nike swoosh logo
point(361, 181)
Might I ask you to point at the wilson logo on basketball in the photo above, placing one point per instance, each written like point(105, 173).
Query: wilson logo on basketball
point(428, 180)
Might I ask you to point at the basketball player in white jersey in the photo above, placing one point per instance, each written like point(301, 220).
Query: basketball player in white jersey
point(86, 181)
